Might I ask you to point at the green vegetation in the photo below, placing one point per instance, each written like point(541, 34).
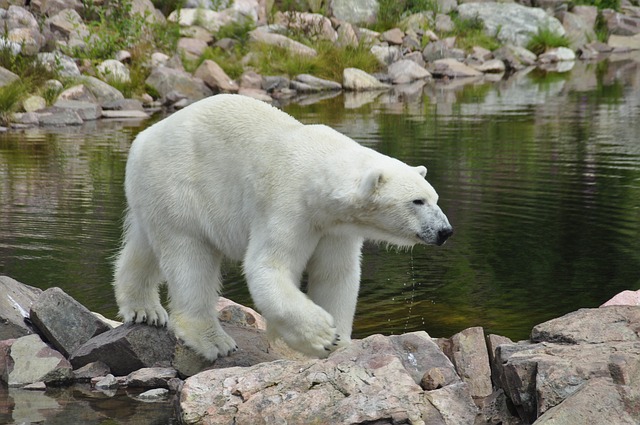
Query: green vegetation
point(546, 39)
point(391, 12)
point(470, 32)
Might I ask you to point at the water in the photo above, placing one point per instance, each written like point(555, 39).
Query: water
point(539, 175)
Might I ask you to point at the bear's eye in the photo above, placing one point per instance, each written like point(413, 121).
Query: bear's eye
point(418, 201)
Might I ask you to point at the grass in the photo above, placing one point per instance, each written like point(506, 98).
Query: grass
point(470, 33)
point(546, 39)
point(390, 12)
point(11, 96)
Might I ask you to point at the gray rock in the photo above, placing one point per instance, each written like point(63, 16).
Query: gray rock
point(209, 19)
point(255, 94)
point(358, 80)
point(471, 360)
point(64, 65)
point(26, 118)
point(386, 55)
point(274, 83)
point(578, 32)
point(52, 7)
point(557, 54)
point(154, 394)
point(393, 36)
point(151, 377)
point(20, 26)
point(588, 14)
point(598, 401)
point(125, 114)
point(34, 361)
point(375, 380)
point(624, 42)
point(215, 77)
point(80, 93)
point(64, 322)
point(405, 71)
point(314, 25)
point(514, 57)
point(58, 117)
point(124, 105)
point(113, 70)
point(69, 24)
point(127, 348)
point(510, 22)
point(191, 48)
point(494, 66)
point(251, 80)
point(7, 77)
point(34, 103)
point(109, 382)
point(15, 302)
point(621, 24)
point(92, 370)
point(452, 68)
point(355, 11)
point(347, 36)
point(101, 90)
point(88, 111)
point(294, 47)
point(441, 49)
point(311, 83)
point(165, 80)
point(444, 23)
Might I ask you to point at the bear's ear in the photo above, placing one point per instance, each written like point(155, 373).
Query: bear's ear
point(422, 170)
point(370, 182)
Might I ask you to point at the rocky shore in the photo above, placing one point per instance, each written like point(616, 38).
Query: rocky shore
point(583, 367)
point(416, 53)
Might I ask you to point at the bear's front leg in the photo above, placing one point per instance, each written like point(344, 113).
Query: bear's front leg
point(290, 314)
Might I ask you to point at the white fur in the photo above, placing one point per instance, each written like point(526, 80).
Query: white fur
point(233, 177)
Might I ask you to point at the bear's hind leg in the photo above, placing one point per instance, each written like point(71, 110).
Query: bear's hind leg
point(334, 280)
point(136, 279)
point(192, 269)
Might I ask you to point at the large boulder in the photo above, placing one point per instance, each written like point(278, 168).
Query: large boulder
point(15, 302)
point(64, 322)
point(215, 77)
point(165, 80)
point(355, 11)
point(374, 380)
point(358, 80)
point(510, 22)
point(294, 47)
point(31, 360)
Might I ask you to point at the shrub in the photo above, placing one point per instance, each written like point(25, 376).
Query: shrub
point(545, 39)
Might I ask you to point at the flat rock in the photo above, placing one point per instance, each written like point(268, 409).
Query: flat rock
point(58, 117)
point(306, 82)
point(631, 42)
point(86, 110)
point(92, 370)
point(151, 377)
point(355, 11)
point(34, 361)
point(279, 40)
point(7, 77)
point(452, 68)
point(124, 105)
point(357, 80)
point(372, 380)
point(624, 298)
point(101, 90)
point(63, 321)
point(125, 114)
point(15, 302)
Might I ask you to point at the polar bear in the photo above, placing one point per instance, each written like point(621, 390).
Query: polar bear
point(230, 176)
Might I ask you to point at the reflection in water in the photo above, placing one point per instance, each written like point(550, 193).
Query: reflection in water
point(539, 174)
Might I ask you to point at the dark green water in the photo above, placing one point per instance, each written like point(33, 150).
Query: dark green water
point(539, 175)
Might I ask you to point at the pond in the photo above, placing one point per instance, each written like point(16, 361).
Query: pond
point(539, 174)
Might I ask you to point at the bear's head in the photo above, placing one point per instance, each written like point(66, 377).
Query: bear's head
point(399, 206)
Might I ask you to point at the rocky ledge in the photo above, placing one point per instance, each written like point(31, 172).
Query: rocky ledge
point(583, 367)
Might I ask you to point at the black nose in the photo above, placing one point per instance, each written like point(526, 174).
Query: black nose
point(444, 234)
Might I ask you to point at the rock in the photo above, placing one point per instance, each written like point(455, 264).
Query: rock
point(251, 80)
point(598, 401)
point(620, 24)
point(123, 105)
point(108, 382)
point(406, 71)
point(441, 49)
point(624, 298)
point(127, 348)
point(27, 118)
point(624, 42)
point(92, 370)
point(415, 57)
point(33, 103)
point(191, 48)
point(151, 377)
point(452, 68)
point(495, 66)
point(515, 57)
point(386, 55)
point(68, 23)
point(80, 93)
point(557, 54)
point(444, 23)
point(307, 83)
point(58, 117)
point(393, 36)
point(165, 80)
point(86, 110)
point(347, 36)
point(155, 394)
point(313, 25)
point(64, 65)
point(113, 70)
point(578, 32)
point(471, 360)
point(20, 26)
point(102, 91)
point(271, 84)
point(355, 11)
point(588, 14)
point(358, 80)
point(595, 49)
point(15, 302)
point(510, 22)
point(215, 77)
point(7, 77)
point(256, 94)
point(375, 380)
point(34, 361)
point(209, 19)
point(63, 321)
point(123, 56)
point(294, 47)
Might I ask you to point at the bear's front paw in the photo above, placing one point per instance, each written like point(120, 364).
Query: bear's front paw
point(154, 315)
point(205, 337)
point(310, 330)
